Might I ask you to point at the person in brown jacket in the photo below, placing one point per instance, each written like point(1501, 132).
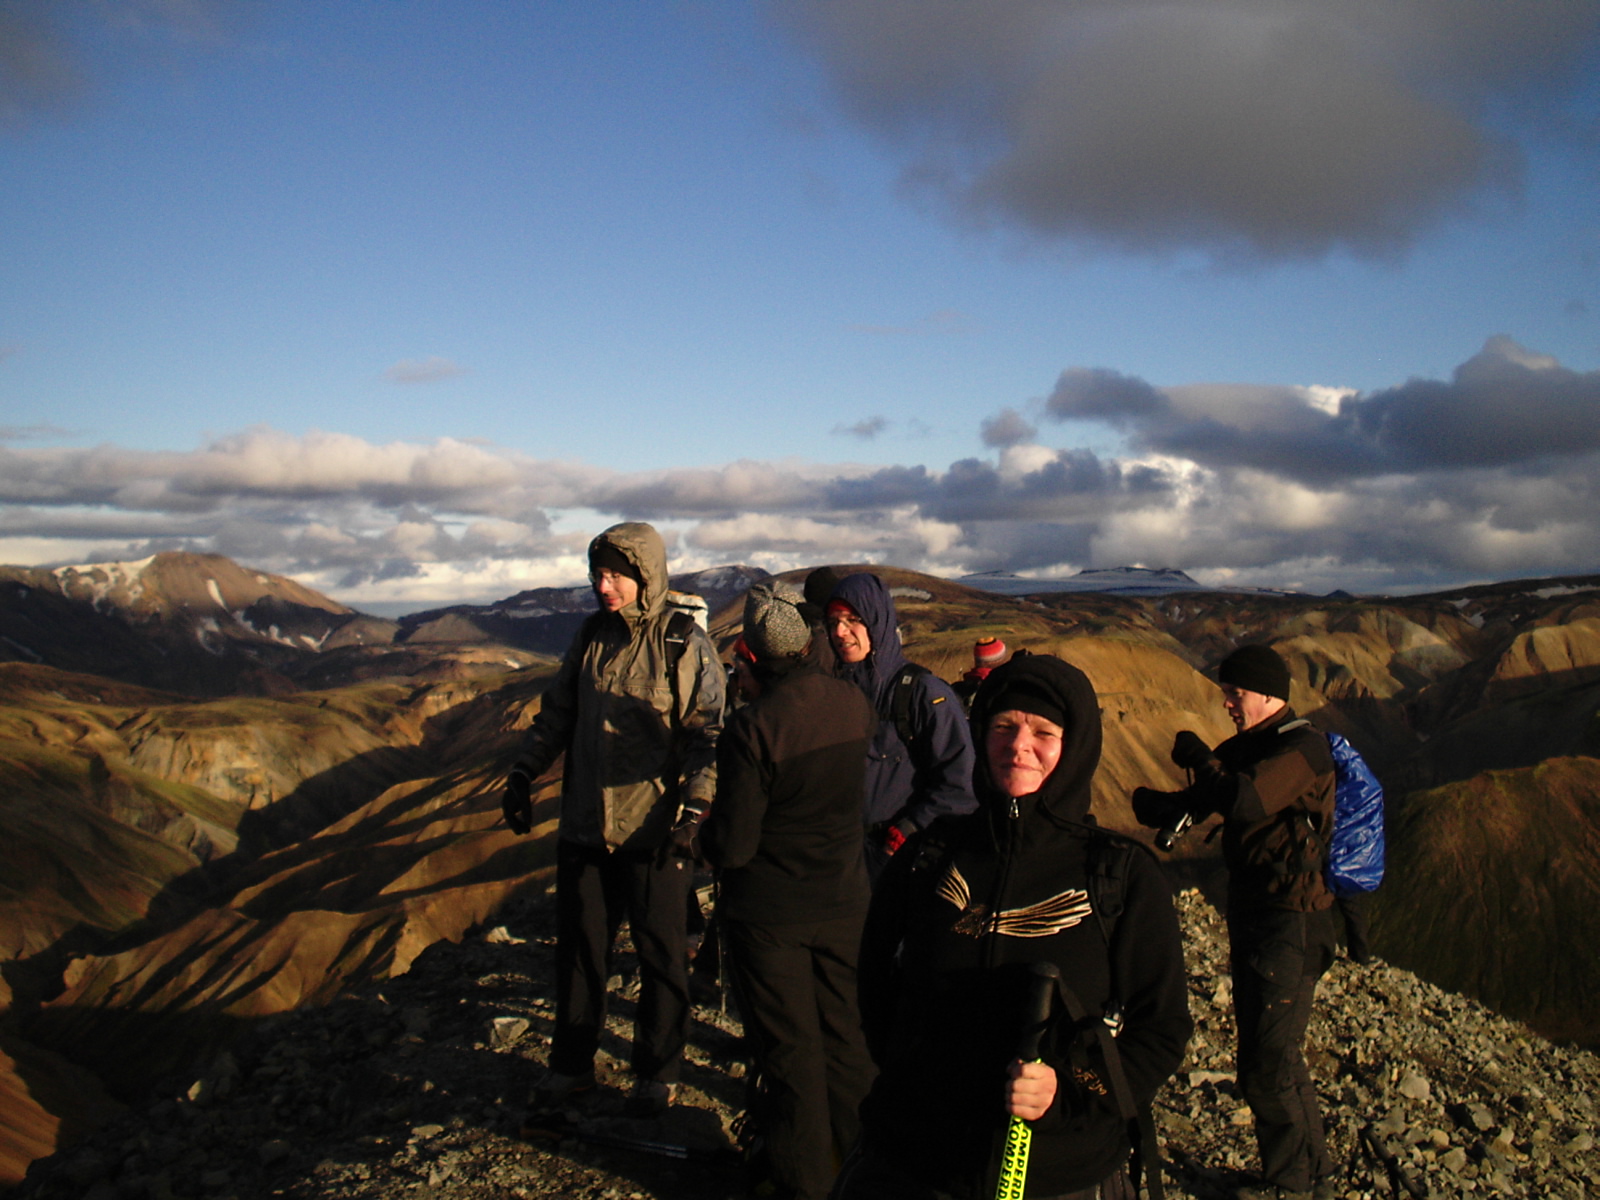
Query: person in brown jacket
point(636, 707)
point(1273, 783)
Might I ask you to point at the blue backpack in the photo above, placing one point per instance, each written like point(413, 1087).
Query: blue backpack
point(1355, 855)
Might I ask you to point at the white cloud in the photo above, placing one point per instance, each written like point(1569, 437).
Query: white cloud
point(1244, 482)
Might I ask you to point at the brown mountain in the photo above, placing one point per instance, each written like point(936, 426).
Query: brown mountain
point(177, 870)
point(202, 625)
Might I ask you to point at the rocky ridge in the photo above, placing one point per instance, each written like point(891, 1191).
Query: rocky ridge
point(415, 1088)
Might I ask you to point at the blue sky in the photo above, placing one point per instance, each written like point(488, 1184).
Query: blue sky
point(408, 300)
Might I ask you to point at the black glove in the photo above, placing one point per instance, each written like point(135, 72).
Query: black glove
point(1152, 808)
point(684, 840)
point(1189, 752)
point(516, 805)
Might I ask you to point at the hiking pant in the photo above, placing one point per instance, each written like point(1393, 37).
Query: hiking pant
point(797, 994)
point(1277, 958)
point(1353, 909)
point(595, 890)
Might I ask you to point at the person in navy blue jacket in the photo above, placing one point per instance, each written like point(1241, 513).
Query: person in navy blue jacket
point(908, 786)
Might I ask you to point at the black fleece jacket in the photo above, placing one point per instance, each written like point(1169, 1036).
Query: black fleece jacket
point(955, 923)
point(786, 826)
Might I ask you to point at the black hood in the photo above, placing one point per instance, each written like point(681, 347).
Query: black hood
point(1065, 795)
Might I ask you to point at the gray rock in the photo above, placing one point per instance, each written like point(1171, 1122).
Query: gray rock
point(1413, 1086)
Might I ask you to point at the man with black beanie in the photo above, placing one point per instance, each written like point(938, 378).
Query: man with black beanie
point(1273, 784)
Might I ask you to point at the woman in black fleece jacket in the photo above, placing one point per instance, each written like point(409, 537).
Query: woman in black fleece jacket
point(956, 923)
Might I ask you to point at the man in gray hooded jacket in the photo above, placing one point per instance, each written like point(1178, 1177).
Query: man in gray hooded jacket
point(636, 707)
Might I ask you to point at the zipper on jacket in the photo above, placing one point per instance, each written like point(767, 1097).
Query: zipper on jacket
point(1013, 836)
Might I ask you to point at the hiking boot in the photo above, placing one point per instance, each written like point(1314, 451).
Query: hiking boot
point(649, 1098)
point(1324, 1189)
point(553, 1088)
point(1270, 1191)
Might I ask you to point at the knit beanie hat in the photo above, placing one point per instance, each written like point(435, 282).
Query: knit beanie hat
point(989, 652)
point(773, 626)
point(1256, 669)
point(603, 556)
point(1025, 695)
point(820, 584)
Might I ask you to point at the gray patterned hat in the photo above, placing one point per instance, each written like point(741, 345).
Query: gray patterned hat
point(773, 626)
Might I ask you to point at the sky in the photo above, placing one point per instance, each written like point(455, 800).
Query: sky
point(408, 301)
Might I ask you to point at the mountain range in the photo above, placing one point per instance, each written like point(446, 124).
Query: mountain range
point(227, 797)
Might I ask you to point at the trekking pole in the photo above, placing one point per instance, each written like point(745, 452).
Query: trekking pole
point(1019, 1134)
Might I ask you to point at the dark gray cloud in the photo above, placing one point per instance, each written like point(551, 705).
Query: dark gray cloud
point(37, 71)
point(1028, 545)
point(43, 60)
point(866, 430)
point(1008, 427)
point(1504, 406)
point(1249, 128)
point(1099, 394)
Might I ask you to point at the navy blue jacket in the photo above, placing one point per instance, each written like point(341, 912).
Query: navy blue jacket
point(932, 777)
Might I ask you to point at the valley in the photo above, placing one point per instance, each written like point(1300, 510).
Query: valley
point(227, 798)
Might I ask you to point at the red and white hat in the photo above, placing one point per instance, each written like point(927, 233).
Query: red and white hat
point(989, 652)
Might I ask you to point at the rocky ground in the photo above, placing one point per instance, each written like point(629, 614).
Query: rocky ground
point(415, 1089)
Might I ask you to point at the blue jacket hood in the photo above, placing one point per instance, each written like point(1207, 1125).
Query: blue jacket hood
point(870, 598)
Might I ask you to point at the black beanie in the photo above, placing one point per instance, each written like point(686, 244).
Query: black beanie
point(1025, 696)
point(603, 556)
point(1256, 669)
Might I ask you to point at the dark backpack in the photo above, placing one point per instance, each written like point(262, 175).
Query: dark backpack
point(1356, 851)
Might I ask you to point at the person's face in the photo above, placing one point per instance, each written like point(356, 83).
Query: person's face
point(1022, 748)
point(613, 589)
point(848, 633)
point(1248, 709)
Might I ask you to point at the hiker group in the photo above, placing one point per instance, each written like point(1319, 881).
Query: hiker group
point(953, 982)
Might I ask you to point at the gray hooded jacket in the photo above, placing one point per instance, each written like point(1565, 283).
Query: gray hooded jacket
point(640, 735)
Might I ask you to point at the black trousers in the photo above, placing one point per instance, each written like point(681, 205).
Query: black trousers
point(595, 890)
point(797, 994)
point(1353, 909)
point(1277, 958)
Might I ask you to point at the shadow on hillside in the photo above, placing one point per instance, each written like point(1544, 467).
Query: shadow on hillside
point(1521, 729)
point(354, 873)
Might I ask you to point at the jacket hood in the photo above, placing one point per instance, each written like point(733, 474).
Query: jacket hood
point(869, 596)
point(1065, 795)
point(642, 546)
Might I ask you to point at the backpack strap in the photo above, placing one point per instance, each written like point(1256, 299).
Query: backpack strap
point(1139, 1118)
point(900, 700)
point(1108, 876)
point(680, 627)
